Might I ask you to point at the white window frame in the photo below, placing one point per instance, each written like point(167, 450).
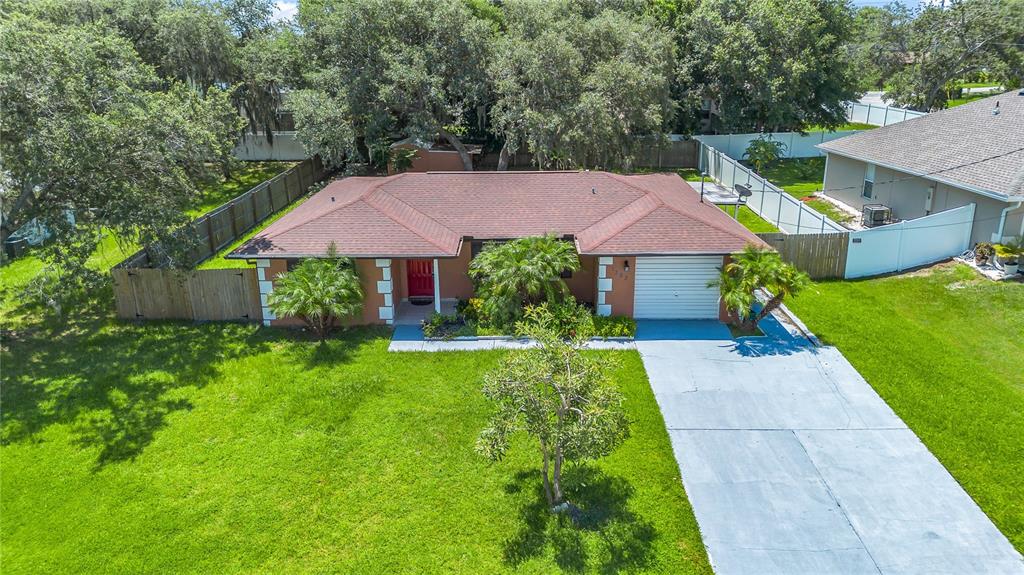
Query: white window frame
point(868, 189)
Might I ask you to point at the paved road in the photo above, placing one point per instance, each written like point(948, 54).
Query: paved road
point(794, 464)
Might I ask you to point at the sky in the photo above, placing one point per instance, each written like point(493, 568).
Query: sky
point(284, 9)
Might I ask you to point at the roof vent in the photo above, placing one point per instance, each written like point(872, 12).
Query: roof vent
point(332, 198)
point(995, 111)
point(593, 190)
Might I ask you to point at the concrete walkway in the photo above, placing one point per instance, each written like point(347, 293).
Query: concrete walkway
point(794, 465)
point(410, 338)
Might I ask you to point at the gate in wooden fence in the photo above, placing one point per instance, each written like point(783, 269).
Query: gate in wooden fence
point(821, 256)
point(203, 295)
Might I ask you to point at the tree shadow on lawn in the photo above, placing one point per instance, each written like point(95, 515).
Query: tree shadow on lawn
point(604, 533)
point(115, 382)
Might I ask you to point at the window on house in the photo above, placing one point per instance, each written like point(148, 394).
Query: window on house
point(869, 182)
point(566, 274)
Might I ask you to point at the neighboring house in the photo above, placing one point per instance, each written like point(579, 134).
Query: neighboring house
point(944, 160)
point(433, 156)
point(648, 246)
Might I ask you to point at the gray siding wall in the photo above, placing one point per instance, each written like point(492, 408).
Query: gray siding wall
point(906, 195)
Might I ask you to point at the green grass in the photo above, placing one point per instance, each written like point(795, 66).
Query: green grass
point(944, 349)
point(954, 102)
point(216, 191)
point(218, 261)
point(979, 84)
point(751, 220)
point(230, 448)
point(803, 177)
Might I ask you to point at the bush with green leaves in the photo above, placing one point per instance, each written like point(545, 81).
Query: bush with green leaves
point(566, 318)
point(444, 326)
point(764, 151)
point(521, 272)
point(614, 326)
point(319, 292)
point(756, 269)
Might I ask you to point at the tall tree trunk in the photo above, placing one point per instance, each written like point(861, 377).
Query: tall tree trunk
point(503, 157)
point(467, 160)
point(768, 308)
point(557, 479)
point(547, 483)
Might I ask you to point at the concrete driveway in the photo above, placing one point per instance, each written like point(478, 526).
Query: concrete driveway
point(795, 465)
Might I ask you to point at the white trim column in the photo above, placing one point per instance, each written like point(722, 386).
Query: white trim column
point(437, 288)
point(385, 312)
point(604, 285)
point(266, 286)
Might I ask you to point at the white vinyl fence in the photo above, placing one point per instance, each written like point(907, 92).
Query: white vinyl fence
point(255, 147)
point(910, 243)
point(879, 115)
point(769, 201)
point(797, 145)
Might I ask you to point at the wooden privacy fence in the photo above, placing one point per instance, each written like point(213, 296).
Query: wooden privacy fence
point(151, 293)
point(144, 292)
point(821, 256)
point(218, 228)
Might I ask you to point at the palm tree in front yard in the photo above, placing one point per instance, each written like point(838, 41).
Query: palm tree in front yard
point(758, 269)
point(522, 271)
point(319, 292)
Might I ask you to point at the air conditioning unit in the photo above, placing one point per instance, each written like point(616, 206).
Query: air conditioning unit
point(875, 215)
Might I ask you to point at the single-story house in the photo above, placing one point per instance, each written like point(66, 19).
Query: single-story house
point(972, 153)
point(433, 156)
point(648, 246)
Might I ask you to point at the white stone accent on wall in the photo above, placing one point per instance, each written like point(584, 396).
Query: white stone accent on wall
point(604, 285)
point(266, 287)
point(385, 312)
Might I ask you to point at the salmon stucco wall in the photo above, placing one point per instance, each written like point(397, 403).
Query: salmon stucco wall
point(620, 297)
point(431, 161)
point(453, 276)
point(369, 274)
point(583, 283)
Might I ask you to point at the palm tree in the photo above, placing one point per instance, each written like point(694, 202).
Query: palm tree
point(524, 271)
point(318, 291)
point(753, 269)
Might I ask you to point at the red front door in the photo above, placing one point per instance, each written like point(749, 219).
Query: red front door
point(421, 278)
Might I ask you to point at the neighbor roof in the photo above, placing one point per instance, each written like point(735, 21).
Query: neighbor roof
point(428, 215)
point(966, 146)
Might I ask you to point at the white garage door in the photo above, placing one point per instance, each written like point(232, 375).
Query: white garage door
point(676, 287)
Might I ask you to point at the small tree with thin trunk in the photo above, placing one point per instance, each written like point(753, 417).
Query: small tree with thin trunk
point(560, 396)
point(319, 292)
point(753, 269)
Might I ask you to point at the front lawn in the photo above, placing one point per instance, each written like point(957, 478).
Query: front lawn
point(217, 448)
point(945, 349)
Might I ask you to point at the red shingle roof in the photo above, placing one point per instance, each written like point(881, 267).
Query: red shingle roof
point(427, 215)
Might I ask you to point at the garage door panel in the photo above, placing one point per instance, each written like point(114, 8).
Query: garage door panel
point(676, 287)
